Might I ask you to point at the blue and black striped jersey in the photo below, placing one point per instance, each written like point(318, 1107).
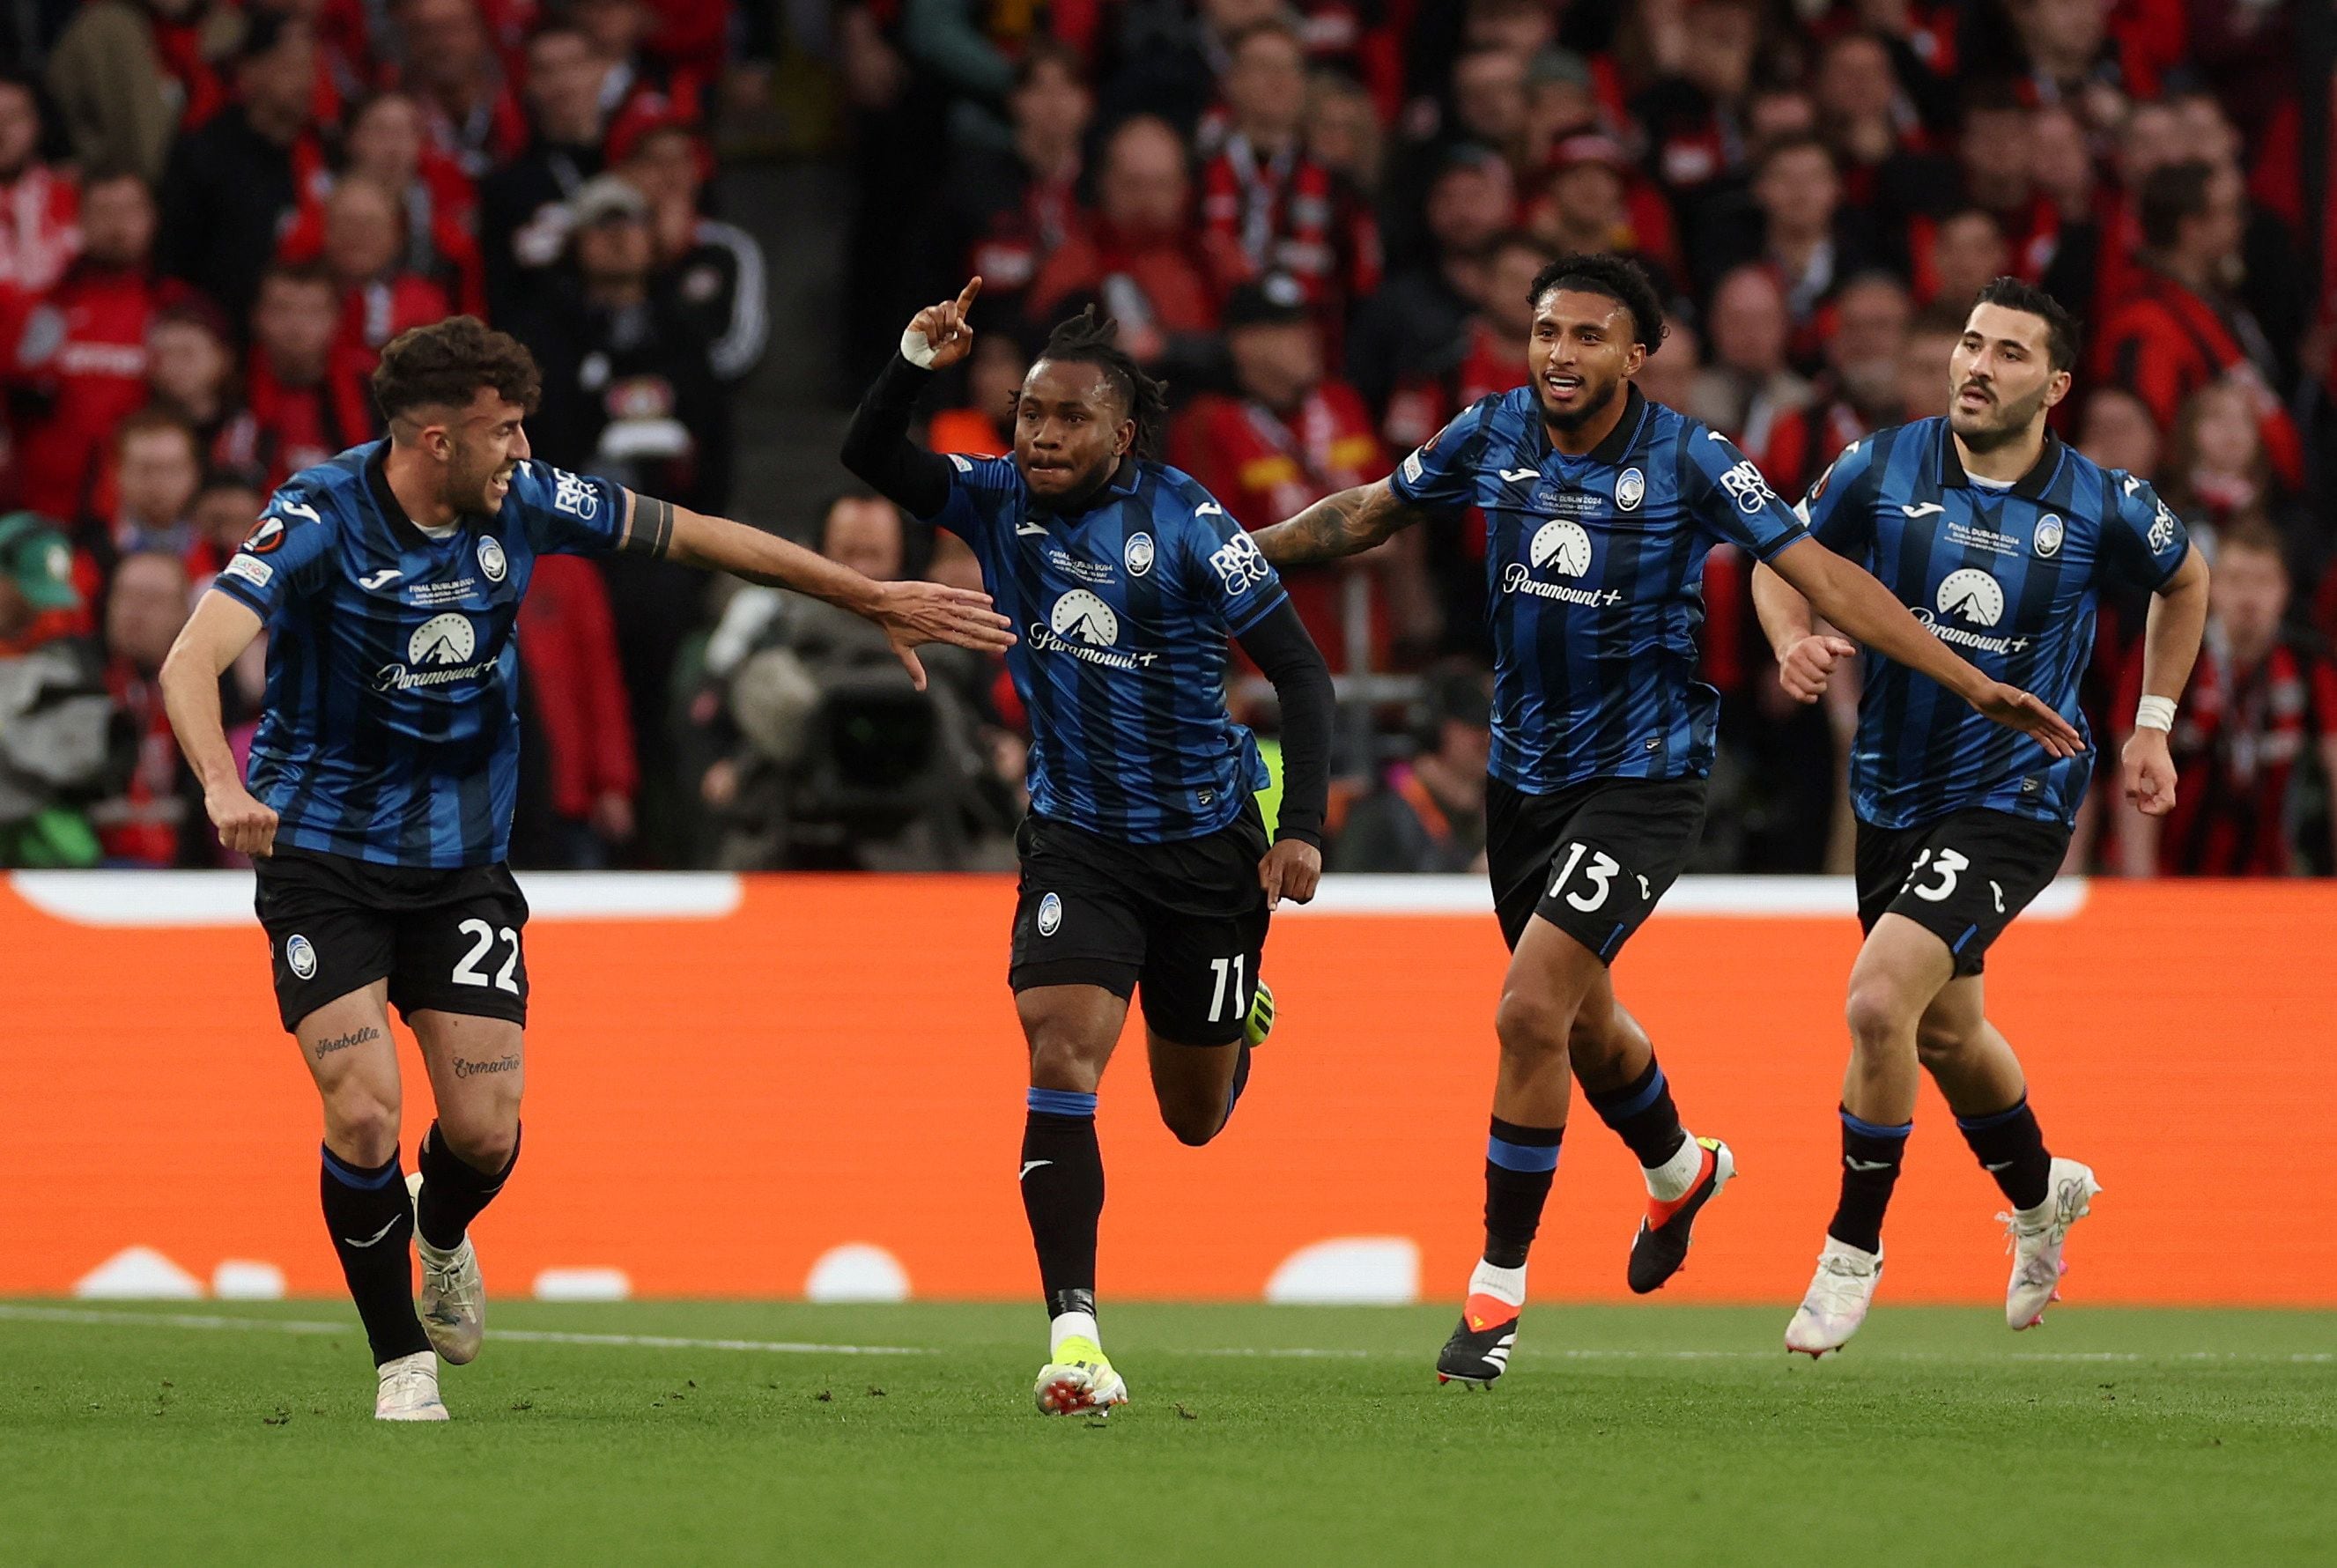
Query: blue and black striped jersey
point(1596, 590)
point(2009, 577)
point(1121, 617)
point(390, 731)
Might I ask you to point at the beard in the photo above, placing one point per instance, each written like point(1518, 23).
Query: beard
point(1595, 404)
point(2004, 423)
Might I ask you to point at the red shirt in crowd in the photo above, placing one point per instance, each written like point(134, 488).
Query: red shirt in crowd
point(1287, 214)
point(285, 428)
point(1264, 467)
point(141, 825)
point(83, 354)
point(40, 235)
point(2236, 741)
point(2164, 342)
point(1152, 286)
point(568, 646)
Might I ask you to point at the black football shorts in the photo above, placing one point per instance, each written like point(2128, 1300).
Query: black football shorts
point(1593, 859)
point(1962, 877)
point(1182, 924)
point(448, 940)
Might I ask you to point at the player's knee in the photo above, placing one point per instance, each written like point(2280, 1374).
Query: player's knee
point(1938, 1046)
point(1877, 1014)
point(1192, 1122)
point(483, 1140)
point(1532, 1024)
point(361, 1124)
point(1062, 1057)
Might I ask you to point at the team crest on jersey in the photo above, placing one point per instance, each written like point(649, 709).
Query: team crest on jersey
point(573, 495)
point(1137, 556)
point(1972, 596)
point(1051, 915)
point(1239, 565)
point(300, 954)
point(2047, 539)
point(1562, 542)
point(1630, 489)
point(490, 557)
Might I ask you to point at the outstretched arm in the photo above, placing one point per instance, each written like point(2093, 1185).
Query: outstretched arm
point(1346, 524)
point(1845, 594)
point(910, 613)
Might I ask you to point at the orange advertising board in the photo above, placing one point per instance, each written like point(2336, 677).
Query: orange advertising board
point(729, 1079)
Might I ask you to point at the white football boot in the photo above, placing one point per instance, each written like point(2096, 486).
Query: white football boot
point(2036, 1236)
point(1078, 1381)
point(408, 1389)
point(453, 1305)
point(1837, 1300)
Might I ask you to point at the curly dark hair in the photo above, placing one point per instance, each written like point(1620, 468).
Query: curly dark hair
point(446, 365)
point(2062, 334)
point(1619, 279)
point(1092, 338)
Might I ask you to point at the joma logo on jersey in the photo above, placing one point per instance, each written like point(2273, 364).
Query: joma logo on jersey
point(573, 495)
point(438, 653)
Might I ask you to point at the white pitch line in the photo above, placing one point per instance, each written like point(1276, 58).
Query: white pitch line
point(523, 1336)
point(2302, 1357)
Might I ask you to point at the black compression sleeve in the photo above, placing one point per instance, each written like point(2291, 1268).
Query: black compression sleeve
point(878, 449)
point(1281, 647)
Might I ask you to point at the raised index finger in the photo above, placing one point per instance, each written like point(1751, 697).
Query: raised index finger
point(965, 295)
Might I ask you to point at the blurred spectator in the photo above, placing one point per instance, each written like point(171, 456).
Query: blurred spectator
point(385, 144)
point(125, 75)
point(55, 713)
point(1287, 436)
point(523, 217)
point(576, 690)
point(2073, 57)
point(1413, 325)
point(2180, 328)
point(1694, 109)
point(1492, 343)
point(1266, 205)
point(1924, 362)
point(80, 361)
point(1342, 130)
point(41, 236)
point(1858, 393)
point(146, 820)
point(640, 88)
point(1800, 228)
point(224, 512)
point(1590, 207)
point(1668, 374)
point(713, 271)
point(1965, 249)
point(234, 181)
point(1139, 257)
point(301, 403)
point(1872, 123)
point(1008, 209)
point(2216, 467)
point(191, 368)
point(447, 60)
point(1427, 813)
point(2118, 433)
point(2260, 714)
point(1174, 54)
point(157, 469)
point(994, 374)
point(1561, 101)
point(365, 252)
point(1747, 385)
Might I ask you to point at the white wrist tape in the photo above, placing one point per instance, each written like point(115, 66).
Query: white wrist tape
point(916, 350)
point(2154, 713)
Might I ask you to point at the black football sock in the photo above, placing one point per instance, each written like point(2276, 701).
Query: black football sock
point(372, 1224)
point(454, 1190)
point(1870, 1155)
point(1642, 1114)
point(1519, 1164)
point(1062, 1194)
point(2010, 1147)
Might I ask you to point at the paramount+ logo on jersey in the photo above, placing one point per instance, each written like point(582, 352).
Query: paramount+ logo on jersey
point(1965, 610)
point(1561, 546)
point(439, 652)
point(1083, 626)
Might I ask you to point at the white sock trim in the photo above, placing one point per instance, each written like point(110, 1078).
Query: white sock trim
point(1669, 1181)
point(1071, 1326)
point(1504, 1285)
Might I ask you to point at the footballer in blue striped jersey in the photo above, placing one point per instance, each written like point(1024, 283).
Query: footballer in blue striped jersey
point(1601, 507)
point(1146, 864)
point(1999, 539)
point(382, 779)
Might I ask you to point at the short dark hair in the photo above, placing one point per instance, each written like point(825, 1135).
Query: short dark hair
point(1619, 279)
point(1776, 147)
point(2061, 328)
point(154, 419)
point(1092, 338)
point(1515, 240)
point(2171, 194)
point(2250, 529)
point(449, 362)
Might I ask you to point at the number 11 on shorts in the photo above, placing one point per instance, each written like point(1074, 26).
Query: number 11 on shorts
point(1223, 968)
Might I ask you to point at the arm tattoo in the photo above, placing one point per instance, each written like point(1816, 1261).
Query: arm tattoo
point(653, 527)
point(1341, 525)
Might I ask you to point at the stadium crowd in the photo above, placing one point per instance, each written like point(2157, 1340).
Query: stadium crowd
point(1316, 221)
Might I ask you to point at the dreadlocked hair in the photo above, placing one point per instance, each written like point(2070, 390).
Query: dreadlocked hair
point(1092, 338)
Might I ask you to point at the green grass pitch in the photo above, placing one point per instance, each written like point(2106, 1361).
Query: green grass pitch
point(1257, 1434)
